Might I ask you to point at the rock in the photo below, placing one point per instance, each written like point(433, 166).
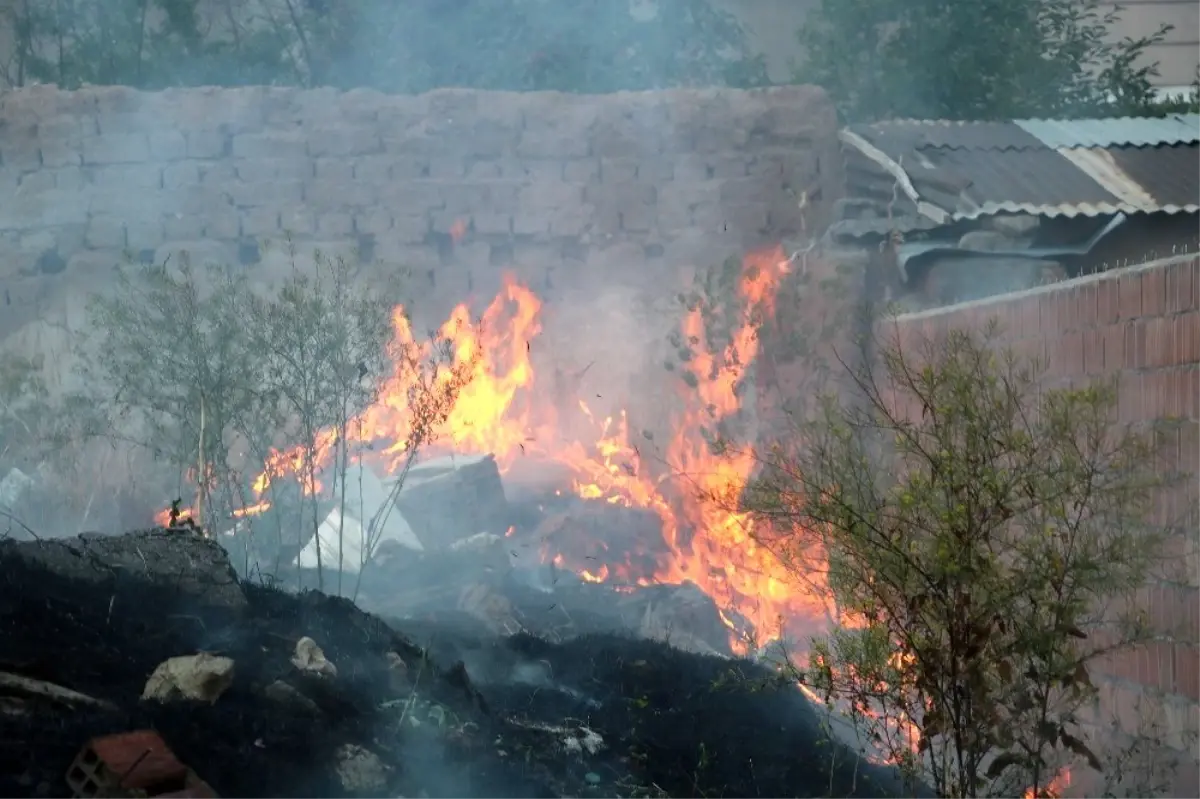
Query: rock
point(202, 677)
point(361, 771)
point(285, 694)
point(193, 567)
point(310, 659)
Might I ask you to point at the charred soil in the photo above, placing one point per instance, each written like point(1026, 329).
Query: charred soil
point(466, 713)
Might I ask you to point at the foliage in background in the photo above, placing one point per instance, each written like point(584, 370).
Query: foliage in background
point(570, 45)
point(988, 59)
point(983, 542)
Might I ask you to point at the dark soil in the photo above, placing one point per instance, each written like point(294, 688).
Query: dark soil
point(481, 716)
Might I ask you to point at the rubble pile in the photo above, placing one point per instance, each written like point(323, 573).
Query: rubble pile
point(218, 686)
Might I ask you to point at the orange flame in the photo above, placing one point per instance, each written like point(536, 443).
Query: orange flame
point(501, 410)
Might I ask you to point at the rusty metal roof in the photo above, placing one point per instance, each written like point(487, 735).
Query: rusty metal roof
point(950, 171)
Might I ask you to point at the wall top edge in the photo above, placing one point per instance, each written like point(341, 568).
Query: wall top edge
point(1084, 280)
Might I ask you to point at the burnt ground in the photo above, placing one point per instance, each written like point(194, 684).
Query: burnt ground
point(477, 716)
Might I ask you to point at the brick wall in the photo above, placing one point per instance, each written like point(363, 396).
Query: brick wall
point(1143, 324)
point(562, 188)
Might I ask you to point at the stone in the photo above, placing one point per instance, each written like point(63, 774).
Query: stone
point(201, 678)
point(310, 659)
point(288, 695)
point(360, 771)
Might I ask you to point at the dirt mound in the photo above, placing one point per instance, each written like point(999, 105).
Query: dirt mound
point(475, 715)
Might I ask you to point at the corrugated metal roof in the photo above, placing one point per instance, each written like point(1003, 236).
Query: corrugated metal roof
point(960, 171)
point(1118, 132)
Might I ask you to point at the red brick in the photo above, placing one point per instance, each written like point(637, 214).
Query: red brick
point(1153, 291)
point(1135, 344)
point(1129, 300)
point(142, 758)
point(1114, 347)
point(1086, 304)
point(1181, 285)
point(1187, 337)
point(1107, 309)
point(1093, 352)
point(1187, 671)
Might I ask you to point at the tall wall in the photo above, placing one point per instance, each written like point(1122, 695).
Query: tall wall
point(546, 182)
point(1142, 324)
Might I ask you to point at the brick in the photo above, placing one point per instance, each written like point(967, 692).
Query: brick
point(336, 223)
point(167, 145)
point(208, 144)
point(270, 145)
point(144, 234)
point(618, 170)
point(445, 168)
point(484, 223)
point(1181, 284)
point(581, 171)
point(1186, 669)
point(183, 227)
point(1129, 291)
point(1186, 337)
point(372, 221)
point(332, 169)
point(105, 232)
point(180, 174)
point(383, 168)
point(530, 224)
point(342, 141)
point(125, 177)
point(1135, 344)
point(409, 228)
point(223, 224)
point(333, 195)
point(252, 170)
point(733, 167)
point(553, 143)
point(116, 148)
point(1160, 344)
point(747, 218)
point(1154, 300)
point(569, 220)
point(260, 222)
point(463, 197)
point(58, 152)
point(639, 218)
point(35, 183)
point(250, 195)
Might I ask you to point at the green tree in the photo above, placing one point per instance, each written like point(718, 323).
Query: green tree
point(983, 537)
point(988, 59)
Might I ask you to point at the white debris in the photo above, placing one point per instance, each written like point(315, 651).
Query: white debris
point(13, 487)
point(361, 771)
point(574, 741)
point(346, 535)
point(201, 677)
point(311, 659)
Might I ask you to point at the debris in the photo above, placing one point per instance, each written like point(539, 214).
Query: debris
point(201, 677)
point(47, 690)
point(361, 771)
point(13, 487)
point(133, 764)
point(311, 659)
point(354, 537)
point(453, 497)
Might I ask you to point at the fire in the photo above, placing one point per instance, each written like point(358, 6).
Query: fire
point(503, 410)
point(1055, 790)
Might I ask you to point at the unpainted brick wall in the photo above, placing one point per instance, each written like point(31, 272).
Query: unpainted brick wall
point(564, 189)
point(1142, 324)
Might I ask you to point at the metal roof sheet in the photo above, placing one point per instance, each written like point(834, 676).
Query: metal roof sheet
point(1054, 168)
point(1121, 131)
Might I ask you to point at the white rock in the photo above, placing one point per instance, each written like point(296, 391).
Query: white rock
point(202, 677)
point(311, 659)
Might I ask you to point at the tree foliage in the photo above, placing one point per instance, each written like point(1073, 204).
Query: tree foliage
point(984, 535)
point(990, 59)
point(226, 383)
point(578, 45)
